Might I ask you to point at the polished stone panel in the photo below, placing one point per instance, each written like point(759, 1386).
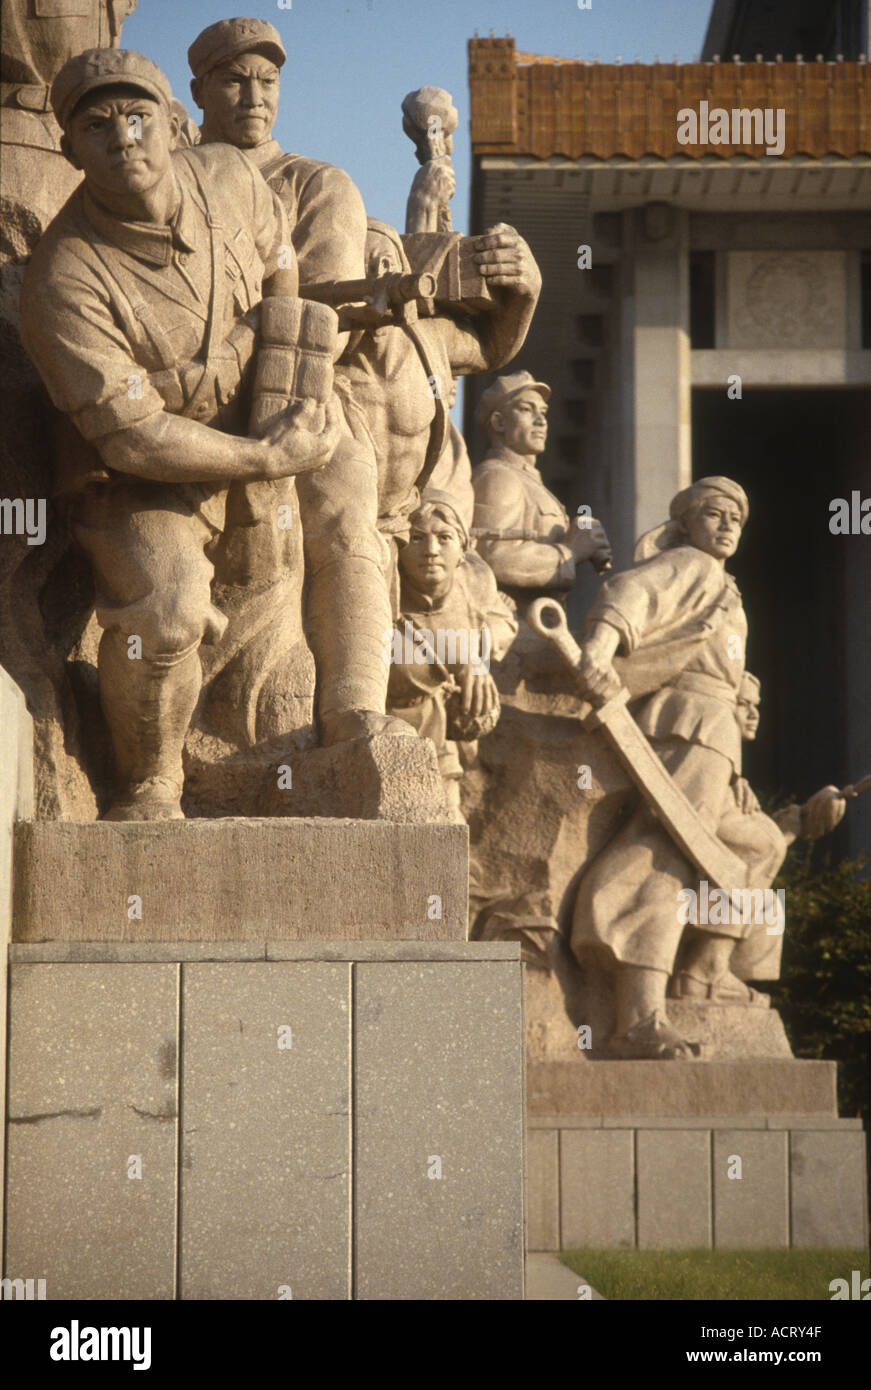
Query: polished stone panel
point(266, 1159)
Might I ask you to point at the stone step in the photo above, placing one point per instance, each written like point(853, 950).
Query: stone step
point(758, 1086)
point(729, 1032)
point(240, 880)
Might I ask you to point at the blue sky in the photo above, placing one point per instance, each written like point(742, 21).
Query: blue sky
point(350, 63)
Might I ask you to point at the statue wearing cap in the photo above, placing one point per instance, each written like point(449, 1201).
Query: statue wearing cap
point(236, 82)
point(37, 40)
point(137, 310)
point(522, 530)
point(236, 65)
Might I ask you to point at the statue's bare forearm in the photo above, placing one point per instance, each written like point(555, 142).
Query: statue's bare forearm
point(172, 449)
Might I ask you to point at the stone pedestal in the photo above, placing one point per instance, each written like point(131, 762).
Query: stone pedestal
point(255, 1058)
point(669, 1155)
point(267, 1120)
point(240, 880)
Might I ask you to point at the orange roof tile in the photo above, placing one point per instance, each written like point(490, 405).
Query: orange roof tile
point(521, 104)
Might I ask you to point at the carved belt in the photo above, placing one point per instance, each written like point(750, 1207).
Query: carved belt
point(701, 684)
point(27, 96)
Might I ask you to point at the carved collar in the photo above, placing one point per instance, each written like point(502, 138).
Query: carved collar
point(145, 240)
point(529, 468)
point(413, 601)
point(265, 153)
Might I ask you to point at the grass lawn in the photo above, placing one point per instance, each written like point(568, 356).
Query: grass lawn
point(713, 1274)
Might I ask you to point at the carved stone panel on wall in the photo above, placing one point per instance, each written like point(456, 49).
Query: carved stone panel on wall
point(785, 299)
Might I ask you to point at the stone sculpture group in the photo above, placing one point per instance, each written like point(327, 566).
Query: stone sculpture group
point(277, 533)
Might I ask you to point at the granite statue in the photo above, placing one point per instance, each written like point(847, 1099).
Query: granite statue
point(42, 603)
point(521, 529)
point(677, 619)
point(399, 369)
point(236, 65)
point(453, 623)
point(135, 309)
point(429, 119)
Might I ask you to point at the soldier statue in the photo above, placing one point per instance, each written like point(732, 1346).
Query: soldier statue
point(522, 530)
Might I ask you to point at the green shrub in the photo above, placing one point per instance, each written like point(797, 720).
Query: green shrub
point(824, 994)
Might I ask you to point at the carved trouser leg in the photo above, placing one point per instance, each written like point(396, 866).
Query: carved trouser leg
point(628, 907)
point(147, 545)
point(348, 606)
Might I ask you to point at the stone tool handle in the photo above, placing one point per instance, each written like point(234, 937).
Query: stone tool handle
point(547, 618)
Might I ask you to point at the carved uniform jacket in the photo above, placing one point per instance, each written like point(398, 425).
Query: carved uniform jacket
point(324, 209)
point(417, 690)
point(38, 37)
point(115, 314)
point(520, 528)
point(683, 610)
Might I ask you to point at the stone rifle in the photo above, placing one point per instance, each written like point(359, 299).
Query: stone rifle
point(443, 278)
point(373, 300)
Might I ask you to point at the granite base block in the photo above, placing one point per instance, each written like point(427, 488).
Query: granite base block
point(311, 1128)
point(647, 1181)
point(240, 880)
point(92, 1130)
point(761, 1086)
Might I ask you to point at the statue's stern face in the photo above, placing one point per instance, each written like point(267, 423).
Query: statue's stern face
point(121, 140)
point(715, 527)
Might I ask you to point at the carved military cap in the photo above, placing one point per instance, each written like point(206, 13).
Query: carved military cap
point(228, 38)
point(105, 67)
point(710, 487)
point(504, 389)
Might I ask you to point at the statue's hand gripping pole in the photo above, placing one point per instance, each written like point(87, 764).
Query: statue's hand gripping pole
point(661, 794)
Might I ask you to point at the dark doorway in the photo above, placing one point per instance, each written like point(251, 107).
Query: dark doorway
point(793, 452)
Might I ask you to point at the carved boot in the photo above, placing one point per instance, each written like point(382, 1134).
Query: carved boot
point(654, 1039)
point(148, 706)
point(726, 989)
point(349, 621)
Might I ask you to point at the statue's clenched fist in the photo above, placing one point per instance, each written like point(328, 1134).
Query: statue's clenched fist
point(503, 258)
point(599, 679)
point(301, 440)
point(589, 542)
point(822, 812)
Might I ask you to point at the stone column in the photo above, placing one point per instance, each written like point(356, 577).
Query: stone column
point(656, 395)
